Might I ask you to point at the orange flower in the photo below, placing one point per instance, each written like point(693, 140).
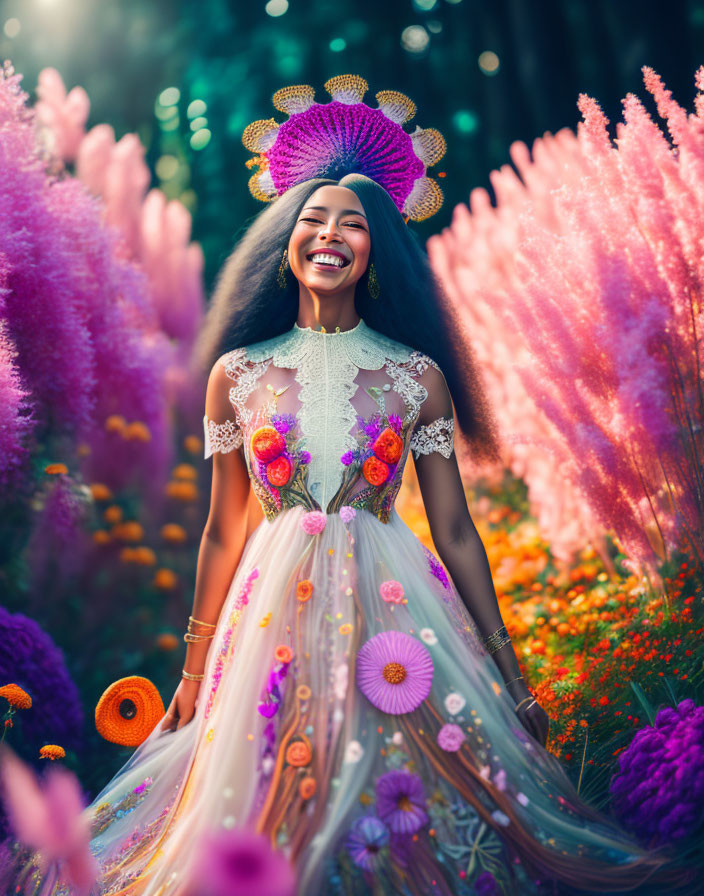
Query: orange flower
point(112, 514)
point(303, 692)
point(16, 696)
point(185, 471)
point(144, 556)
point(193, 445)
point(52, 751)
point(298, 754)
point(55, 469)
point(100, 492)
point(304, 590)
point(181, 490)
point(388, 446)
point(137, 431)
point(375, 471)
point(278, 471)
point(307, 787)
point(115, 423)
point(283, 653)
point(100, 536)
point(267, 443)
point(345, 628)
point(165, 579)
point(128, 711)
point(174, 533)
point(129, 531)
point(167, 641)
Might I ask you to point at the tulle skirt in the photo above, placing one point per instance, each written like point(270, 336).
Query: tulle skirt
point(350, 713)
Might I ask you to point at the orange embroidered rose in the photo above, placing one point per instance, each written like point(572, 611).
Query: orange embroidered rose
point(375, 471)
point(267, 443)
point(298, 754)
point(388, 446)
point(283, 653)
point(278, 472)
point(304, 590)
point(307, 787)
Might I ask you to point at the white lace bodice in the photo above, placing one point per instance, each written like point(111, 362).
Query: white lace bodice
point(337, 389)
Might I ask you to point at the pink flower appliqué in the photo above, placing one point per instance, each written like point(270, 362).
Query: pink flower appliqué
point(313, 522)
point(347, 513)
point(391, 591)
point(451, 737)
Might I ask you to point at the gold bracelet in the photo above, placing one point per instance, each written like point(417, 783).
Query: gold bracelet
point(514, 679)
point(200, 622)
point(496, 640)
point(524, 700)
point(190, 676)
point(189, 637)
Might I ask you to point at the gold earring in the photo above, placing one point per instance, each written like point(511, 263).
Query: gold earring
point(372, 282)
point(283, 267)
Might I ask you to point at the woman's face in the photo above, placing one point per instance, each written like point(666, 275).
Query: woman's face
point(332, 222)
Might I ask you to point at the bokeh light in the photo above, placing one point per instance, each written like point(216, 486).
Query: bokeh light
point(199, 123)
point(465, 121)
point(12, 28)
point(489, 62)
point(276, 8)
point(415, 39)
point(166, 167)
point(196, 108)
point(170, 96)
point(425, 5)
point(338, 44)
point(201, 139)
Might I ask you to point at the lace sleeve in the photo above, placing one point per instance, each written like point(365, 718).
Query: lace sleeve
point(435, 436)
point(221, 427)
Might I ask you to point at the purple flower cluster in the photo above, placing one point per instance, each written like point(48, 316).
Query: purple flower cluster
point(658, 792)
point(29, 658)
point(283, 422)
point(436, 568)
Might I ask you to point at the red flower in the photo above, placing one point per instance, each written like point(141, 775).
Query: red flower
point(388, 446)
point(375, 471)
point(278, 472)
point(267, 443)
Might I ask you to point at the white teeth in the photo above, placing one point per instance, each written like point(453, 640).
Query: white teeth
point(324, 258)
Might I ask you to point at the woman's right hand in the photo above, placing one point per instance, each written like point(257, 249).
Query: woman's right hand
point(182, 706)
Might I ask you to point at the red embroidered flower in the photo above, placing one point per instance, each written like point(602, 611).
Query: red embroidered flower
point(388, 446)
point(278, 472)
point(267, 443)
point(375, 471)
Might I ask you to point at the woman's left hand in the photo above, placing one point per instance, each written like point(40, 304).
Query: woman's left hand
point(532, 715)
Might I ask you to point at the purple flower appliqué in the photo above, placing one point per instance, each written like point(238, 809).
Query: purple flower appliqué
point(395, 422)
point(304, 457)
point(366, 837)
point(283, 422)
point(658, 792)
point(347, 458)
point(485, 884)
point(436, 568)
point(400, 801)
point(451, 737)
point(394, 672)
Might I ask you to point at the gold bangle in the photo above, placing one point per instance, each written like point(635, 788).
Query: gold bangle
point(524, 700)
point(190, 676)
point(200, 622)
point(189, 638)
point(518, 678)
point(496, 640)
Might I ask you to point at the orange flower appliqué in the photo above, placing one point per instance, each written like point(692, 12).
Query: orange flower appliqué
point(304, 590)
point(375, 471)
point(16, 696)
point(278, 472)
point(283, 653)
point(267, 443)
point(298, 754)
point(388, 446)
point(307, 787)
point(128, 711)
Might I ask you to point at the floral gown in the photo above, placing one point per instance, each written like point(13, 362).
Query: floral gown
point(349, 709)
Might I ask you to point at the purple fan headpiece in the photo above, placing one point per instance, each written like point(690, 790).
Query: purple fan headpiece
point(346, 136)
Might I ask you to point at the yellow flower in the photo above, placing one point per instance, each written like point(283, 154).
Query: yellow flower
point(52, 751)
point(16, 696)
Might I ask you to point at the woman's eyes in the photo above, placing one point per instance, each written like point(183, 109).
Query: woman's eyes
point(316, 221)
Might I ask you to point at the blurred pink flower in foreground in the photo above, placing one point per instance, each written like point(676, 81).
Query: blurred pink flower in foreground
point(240, 863)
point(48, 817)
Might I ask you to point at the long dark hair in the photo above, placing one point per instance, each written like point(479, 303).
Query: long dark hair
point(248, 305)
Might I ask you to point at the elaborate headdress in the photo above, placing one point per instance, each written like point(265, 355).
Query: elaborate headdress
point(346, 136)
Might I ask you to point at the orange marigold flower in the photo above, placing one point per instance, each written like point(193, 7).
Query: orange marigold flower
point(193, 445)
point(165, 579)
point(185, 471)
point(112, 514)
point(52, 751)
point(129, 531)
point(16, 696)
point(167, 641)
point(375, 471)
point(174, 533)
point(128, 711)
point(144, 556)
point(100, 492)
point(115, 423)
point(298, 754)
point(283, 653)
point(307, 787)
point(278, 471)
point(55, 469)
point(127, 555)
point(267, 443)
point(388, 446)
point(181, 490)
point(304, 590)
point(137, 431)
point(100, 536)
